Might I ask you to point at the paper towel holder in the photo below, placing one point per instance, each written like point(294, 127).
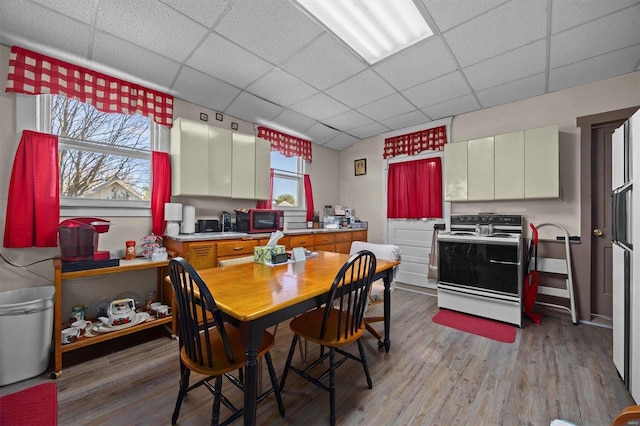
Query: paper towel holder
point(188, 225)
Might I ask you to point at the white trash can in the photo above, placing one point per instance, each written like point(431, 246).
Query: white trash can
point(26, 326)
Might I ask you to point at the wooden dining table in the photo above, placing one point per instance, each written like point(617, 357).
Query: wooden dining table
point(254, 297)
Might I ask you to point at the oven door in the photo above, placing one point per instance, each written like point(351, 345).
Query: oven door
point(482, 264)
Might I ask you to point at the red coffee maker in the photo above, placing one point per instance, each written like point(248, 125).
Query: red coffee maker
point(79, 238)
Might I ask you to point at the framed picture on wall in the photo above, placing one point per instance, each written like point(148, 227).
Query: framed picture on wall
point(360, 167)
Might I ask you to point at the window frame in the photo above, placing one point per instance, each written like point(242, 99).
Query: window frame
point(298, 176)
point(41, 104)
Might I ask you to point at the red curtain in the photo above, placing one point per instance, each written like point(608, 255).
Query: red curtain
point(309, 196)
point(160, 190)
point(432, 139)
point(33, 204)
point(414, 189)
point(34, 74)
point(287, 145)
point(266, 204)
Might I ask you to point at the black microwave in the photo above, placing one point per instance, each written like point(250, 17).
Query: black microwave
point(255, 221)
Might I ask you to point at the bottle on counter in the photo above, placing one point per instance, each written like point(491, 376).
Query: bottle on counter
point(130, 251)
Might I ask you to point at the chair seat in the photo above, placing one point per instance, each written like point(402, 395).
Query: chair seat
point(221, 364)
point(307, 325)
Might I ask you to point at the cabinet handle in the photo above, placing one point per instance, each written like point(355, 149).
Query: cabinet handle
point(237, 248)
point(503, 262)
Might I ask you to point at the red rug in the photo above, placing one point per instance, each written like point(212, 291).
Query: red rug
point(37, 406)
point(476, 325)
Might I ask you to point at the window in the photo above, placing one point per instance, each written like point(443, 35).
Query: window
point(288, 186)
point(104, 158)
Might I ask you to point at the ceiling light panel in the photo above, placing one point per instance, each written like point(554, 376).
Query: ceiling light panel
point(373, 28)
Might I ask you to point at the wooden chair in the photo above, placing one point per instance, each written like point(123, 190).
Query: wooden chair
point(208, 345)
point(338, 323)
point(381, 251)
point(628, 416)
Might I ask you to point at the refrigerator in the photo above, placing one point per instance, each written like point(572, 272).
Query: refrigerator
point(625, 234)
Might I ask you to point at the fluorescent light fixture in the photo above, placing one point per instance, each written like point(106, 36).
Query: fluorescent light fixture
point(373, 28)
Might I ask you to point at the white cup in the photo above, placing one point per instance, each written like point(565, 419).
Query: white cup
point(83, 326)
point(163, 311)
point(153, 308)
point(70, 335)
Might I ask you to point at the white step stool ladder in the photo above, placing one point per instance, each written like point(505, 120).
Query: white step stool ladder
point(558, 266)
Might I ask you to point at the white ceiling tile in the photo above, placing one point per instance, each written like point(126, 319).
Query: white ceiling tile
point(361, 89)
point(341, 142)
point(228, 62)
point(507, 27)
point(616, 31)
point(324, 62)
point(447, 13)
point(387, 107)
point(321, 134)
point(436, 91)
point(369, 130)
point(347, 120)
point(81, 10)
point(452, 107)
point(281, 88)
point(319, 106)
point(204, 90)
point(569, 13)
point(294, 120)
point(60, 35)
point(510, 66)
point(514, 91)
point(252, 109)
point(421, 62)
point(205, 12)
point(274, 29)
point(599, 68)
point(147, 23)
point(405, 120)
point(111, 50)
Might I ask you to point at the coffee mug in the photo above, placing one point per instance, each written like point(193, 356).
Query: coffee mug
point(82, 325)
point(153, 308)
point(163, 311)
point(70, 335)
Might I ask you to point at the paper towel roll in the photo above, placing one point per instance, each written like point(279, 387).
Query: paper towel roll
point(188, 225)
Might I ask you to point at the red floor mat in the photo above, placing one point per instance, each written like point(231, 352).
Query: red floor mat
point(476, 325)
point(37, 405)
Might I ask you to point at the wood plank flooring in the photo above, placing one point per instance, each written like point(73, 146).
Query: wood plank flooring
point(433, 375)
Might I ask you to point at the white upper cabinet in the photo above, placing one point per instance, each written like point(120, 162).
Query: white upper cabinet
point(542, 162)
point(512, 166)
point(200, 159)
point(243, 180)
point(263, 169)
point(509, 166)
point(480, 169)
point(455, 171)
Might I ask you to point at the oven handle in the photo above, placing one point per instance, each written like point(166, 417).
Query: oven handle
point(502, 262)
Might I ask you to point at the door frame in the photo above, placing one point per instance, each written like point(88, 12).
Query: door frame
point(585, 123)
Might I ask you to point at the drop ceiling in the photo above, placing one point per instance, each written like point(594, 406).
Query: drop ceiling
point(269, 63)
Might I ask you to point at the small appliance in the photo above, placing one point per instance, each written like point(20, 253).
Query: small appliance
point(79, 239)
point(173, 215)
point(259, 220)
point(225, 221)
point(207, 225)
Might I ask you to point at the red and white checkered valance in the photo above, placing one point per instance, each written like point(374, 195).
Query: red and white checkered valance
point(35, 74)
point(413, 143)
point(286, 145)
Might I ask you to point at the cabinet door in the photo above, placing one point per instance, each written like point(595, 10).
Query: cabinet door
point(220, 150)
point(305, 241)
point(455, 171)
point(359, 235)
point(236, 248)
point(480, 169)
point(189, 158)
point(202, 255)
point(263, 169)
point(541, 162)
point(243, 166)
point(509, 166)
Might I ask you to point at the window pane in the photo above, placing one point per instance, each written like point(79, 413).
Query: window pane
point(102, 156)
point(285, 191)
point(279, 162)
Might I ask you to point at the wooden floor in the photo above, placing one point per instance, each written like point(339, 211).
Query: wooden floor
point(433, 375)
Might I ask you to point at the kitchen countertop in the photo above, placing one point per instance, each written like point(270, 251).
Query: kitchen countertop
point(208, 236)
